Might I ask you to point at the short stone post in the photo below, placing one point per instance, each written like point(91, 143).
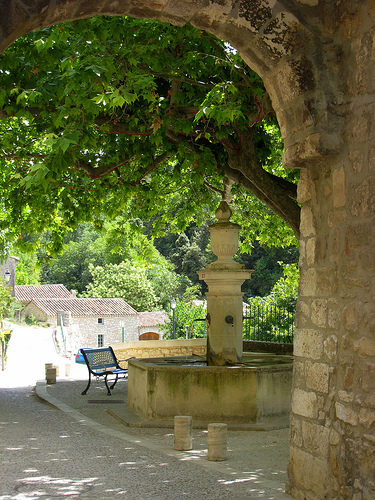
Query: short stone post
point(46, 366)
point(217, 442)
point(51, 375)
point(183, 430)
point(67, 370)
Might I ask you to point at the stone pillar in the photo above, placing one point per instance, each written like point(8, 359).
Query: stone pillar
point(332, 444)
point(183, 432)
point(224, 278)
point(217, 442)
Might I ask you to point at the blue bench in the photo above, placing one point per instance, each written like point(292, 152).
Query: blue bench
point(102, 362)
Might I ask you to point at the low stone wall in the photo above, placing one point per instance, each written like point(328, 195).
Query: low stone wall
point(271, 347)
point(182, 347)
point(159, 348)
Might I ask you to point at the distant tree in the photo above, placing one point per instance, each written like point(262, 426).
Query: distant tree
point(186, 325)
point(194, 260)
point(182, 245)
point(72, 267)
point(123, 280)
point(6, 300)
point(267, 263)
point(276, 311)
point(28, 269)
point(166, 283)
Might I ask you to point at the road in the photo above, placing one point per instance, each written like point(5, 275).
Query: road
point(28, 351)
point(47, 454)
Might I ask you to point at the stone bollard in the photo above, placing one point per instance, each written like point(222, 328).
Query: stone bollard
point(51, 375)
point(67, 370)
point(183, 430)
point(217, 442)
point(46, 366)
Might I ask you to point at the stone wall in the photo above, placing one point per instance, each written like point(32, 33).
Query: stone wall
point(333, 402)
point(159, 348)
point(32, 310)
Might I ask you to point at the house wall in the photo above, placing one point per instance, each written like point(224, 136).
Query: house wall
point(89, 329)
point(32, 309)
point(146, 329)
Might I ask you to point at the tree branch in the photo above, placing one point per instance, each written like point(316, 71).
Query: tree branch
point(277, 194)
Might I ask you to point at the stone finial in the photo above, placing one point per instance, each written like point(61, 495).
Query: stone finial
point(223, 212)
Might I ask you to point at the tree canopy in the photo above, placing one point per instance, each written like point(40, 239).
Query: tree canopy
point(109, 116)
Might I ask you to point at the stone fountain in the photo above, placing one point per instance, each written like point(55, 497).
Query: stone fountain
point(229, 385)
point(224, 278)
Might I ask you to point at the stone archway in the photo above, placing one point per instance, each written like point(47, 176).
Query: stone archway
point(316, 58)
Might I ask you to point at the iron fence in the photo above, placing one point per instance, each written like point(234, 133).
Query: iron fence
point(268, 323)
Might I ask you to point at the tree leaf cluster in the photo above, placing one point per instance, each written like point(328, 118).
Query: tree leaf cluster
point(113, 115)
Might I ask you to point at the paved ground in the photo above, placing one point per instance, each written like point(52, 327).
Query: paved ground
point(56, 443)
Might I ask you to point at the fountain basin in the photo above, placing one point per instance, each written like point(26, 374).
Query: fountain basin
point(260, 388)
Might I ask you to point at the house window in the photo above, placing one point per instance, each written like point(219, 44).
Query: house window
point(100, 340)
point(100, 321)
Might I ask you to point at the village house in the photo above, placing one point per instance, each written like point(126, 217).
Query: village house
point(95, 322)
point(88, 322)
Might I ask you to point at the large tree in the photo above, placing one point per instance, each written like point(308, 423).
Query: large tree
point(117, 115)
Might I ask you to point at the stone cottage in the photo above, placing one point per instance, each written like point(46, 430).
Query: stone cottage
point(95, 322)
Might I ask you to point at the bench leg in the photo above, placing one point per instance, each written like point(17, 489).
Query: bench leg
point(115, 382)
point(83, 393)
point(106, 384)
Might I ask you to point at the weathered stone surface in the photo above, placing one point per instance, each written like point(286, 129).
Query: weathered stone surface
point(368, 377)
point(357, 159)
point(319, 312)
point(363, 200)
point(366, 417)
point(304, 469)
point(330, 347)
point(346, 414)
point(311, 251)
point(304, 403)
point(339, 192)
point(365, 347)
point(308, 283)
point(307, 222)
point(316, 439)
point(352, 315)
point(308, 344)
point(317, 376)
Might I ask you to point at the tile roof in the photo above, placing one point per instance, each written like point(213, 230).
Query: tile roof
point(85, 307)
point(25, 293)
point(153, 318)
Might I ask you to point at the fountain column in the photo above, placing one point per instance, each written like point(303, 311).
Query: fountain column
point(224, 278)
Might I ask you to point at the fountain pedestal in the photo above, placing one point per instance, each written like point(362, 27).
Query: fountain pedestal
point(224, 278)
